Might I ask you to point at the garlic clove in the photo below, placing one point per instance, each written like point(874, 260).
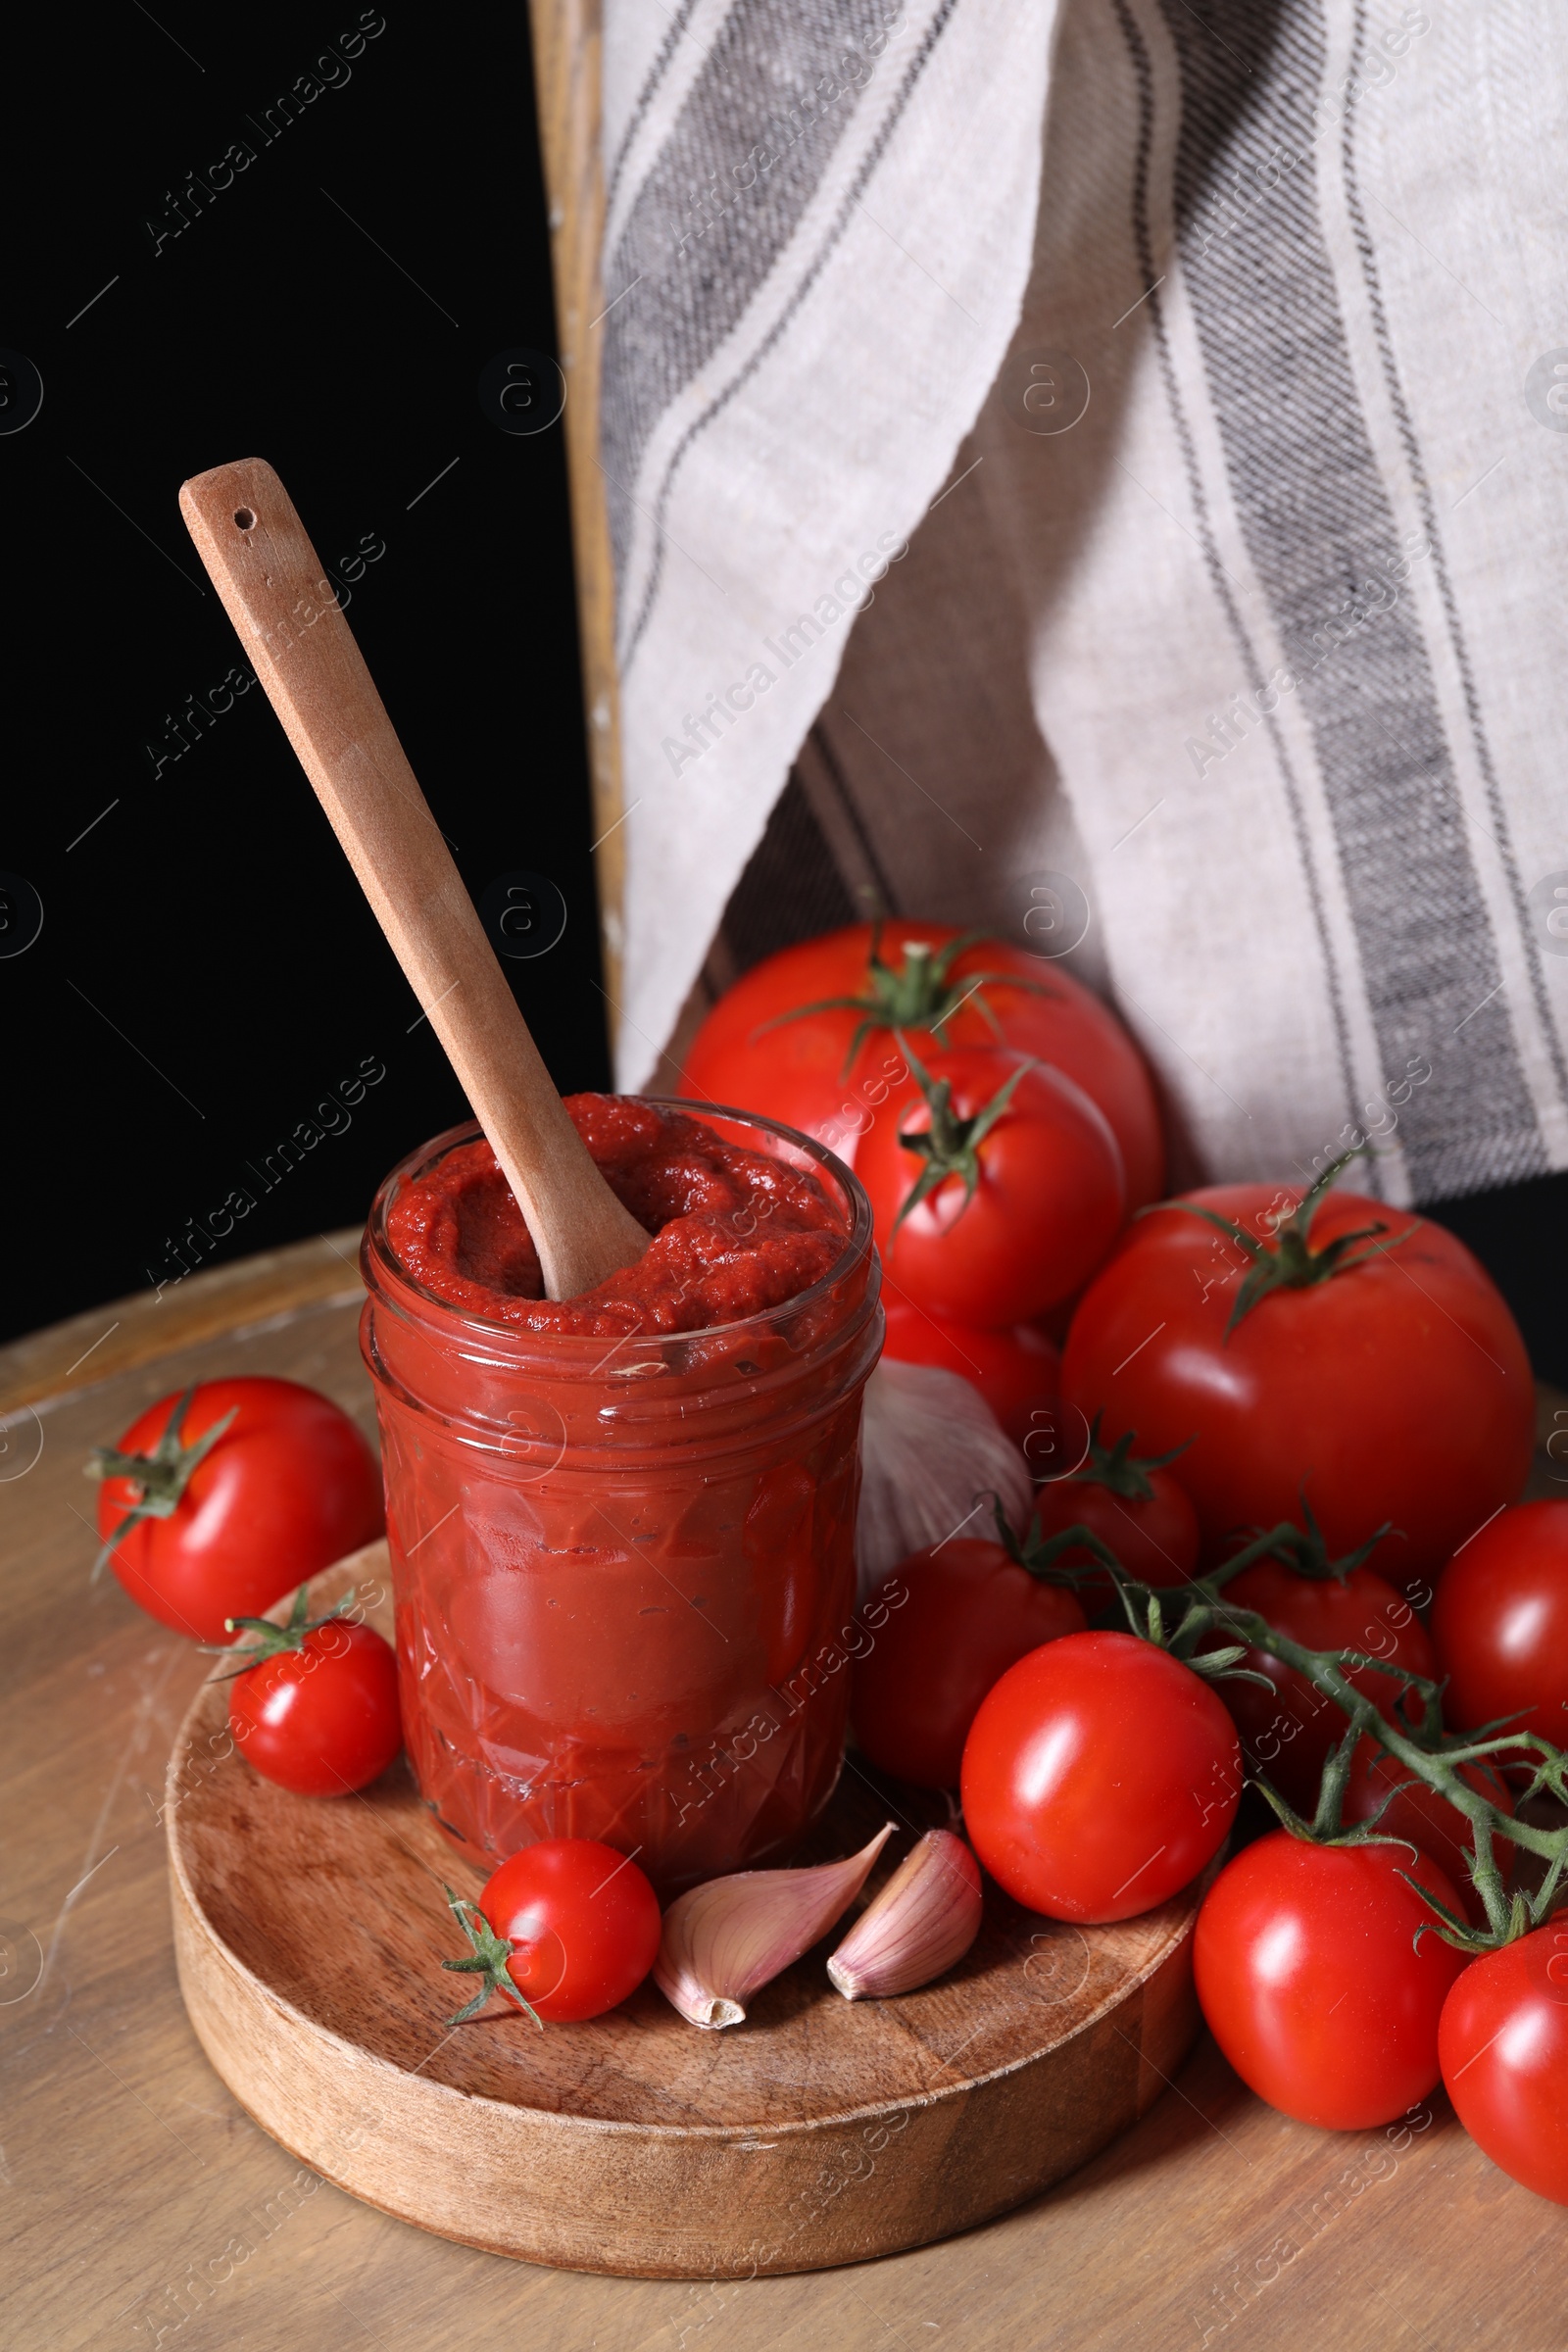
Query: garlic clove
point(931, 1448)
point(724, 1941)
point(920, 1925)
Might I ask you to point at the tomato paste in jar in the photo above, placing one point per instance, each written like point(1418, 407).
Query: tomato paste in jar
point(621, 1526)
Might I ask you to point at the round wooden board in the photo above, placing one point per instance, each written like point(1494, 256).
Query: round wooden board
point(309, 1936)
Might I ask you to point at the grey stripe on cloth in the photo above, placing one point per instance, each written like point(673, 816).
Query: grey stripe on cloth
point(1220, 579)
point(645, 99)
point(1440, 563)
point(803, 288)
point(701, 236)
point(1320, 531)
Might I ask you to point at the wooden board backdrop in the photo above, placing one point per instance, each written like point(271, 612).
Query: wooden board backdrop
point(141, 2207)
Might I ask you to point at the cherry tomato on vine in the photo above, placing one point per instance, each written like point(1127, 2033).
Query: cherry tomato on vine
point(1408, 1807)
point(1501, 1624)
point(1016, 1368)
point(1099, 1776)
point(808, 1036)
point(1311, 1983)
point(1289, 1730)
point(1137, 1507)
point(1381, 1366)
point(1504, 2041)
point(565, 1929)
point(971, 1612)
point(995, 1184)
point(318, 1710)
point(214, 1503)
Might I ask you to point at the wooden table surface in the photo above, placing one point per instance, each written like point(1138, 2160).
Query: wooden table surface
point(142, 2206)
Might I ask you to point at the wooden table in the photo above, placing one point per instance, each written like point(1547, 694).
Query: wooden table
point(143, 2208)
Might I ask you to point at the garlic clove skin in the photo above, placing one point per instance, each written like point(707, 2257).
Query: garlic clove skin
point(931, 1448)
point(723, 1941)
point(920, 1925)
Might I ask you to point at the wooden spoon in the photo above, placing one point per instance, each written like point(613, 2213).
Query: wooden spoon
point(277, 595)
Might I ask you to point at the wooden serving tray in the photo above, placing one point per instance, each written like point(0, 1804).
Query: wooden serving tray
point(309, 1936)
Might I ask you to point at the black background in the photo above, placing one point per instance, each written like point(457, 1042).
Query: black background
point(207, 971)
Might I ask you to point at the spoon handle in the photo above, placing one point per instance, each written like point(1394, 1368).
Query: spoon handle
point(276, 593)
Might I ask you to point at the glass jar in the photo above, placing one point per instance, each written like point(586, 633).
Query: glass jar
point(622, 1568)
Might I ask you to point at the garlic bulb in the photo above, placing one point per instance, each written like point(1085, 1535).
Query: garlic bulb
point(930, 1448)
point(726, 1940)
point(920, 1925)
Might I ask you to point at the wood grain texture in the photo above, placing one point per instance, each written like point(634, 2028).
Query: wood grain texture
point(285, 610)
point(310, 1938)
point(140, 2207)
point(567, 52)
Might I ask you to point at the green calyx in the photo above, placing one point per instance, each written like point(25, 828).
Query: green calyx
point(489, 1957)
point(950, 1146)
point(918, 993)
point(162, 1474)
point(272, 1639)
point(1118, 1469)
point(1301, 1549)
point(1291, 1263)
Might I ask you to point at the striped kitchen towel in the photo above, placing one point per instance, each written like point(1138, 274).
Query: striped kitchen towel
point(1098, 469)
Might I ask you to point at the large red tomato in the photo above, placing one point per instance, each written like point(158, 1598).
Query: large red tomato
point(1289, 1730)
point(903, 976)
point(1501, 1624)
point(1017, 1369)
point(1312, 1985)
point(969, 1613)
point(997, 1185)
point(1099, 1776)
point(1504, 2041)
point(1390, 1381)
point(224, 1524)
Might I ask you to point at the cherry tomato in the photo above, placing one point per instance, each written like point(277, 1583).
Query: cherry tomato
point(1398, 1388)
point(319, 1712)
point(1288, 1731)
point(1504, 2041)
point(1501, 1624)
point(1423, 1814)
point(810, 1073)
point(1139, 1510)
point(1099, 1776)
point(1034, 1199)
point(582, 1922)
point(1015, 1369)
point(1312, 1983)
point(202, 1525)
point(959, 1614)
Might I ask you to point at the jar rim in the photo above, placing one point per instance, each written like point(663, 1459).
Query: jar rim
point(638, 1349)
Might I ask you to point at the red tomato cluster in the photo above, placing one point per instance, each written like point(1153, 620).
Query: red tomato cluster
point(1000, 1116)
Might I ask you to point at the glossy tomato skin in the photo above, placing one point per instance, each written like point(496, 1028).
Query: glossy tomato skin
point(1049, 1201)
point(1501, 1624)
point(1410, 1808)
point(1099, 1776)
point(1398, 1390)
point(583, 1924)
point(1309, 1982)
point(1017, 1369)
point(322, 1719)
point(1155, 1536)
point(1288, 1731)
point(1504, 2043)
point(959, 1614)
point(289, 1489)
point(795, 1072)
